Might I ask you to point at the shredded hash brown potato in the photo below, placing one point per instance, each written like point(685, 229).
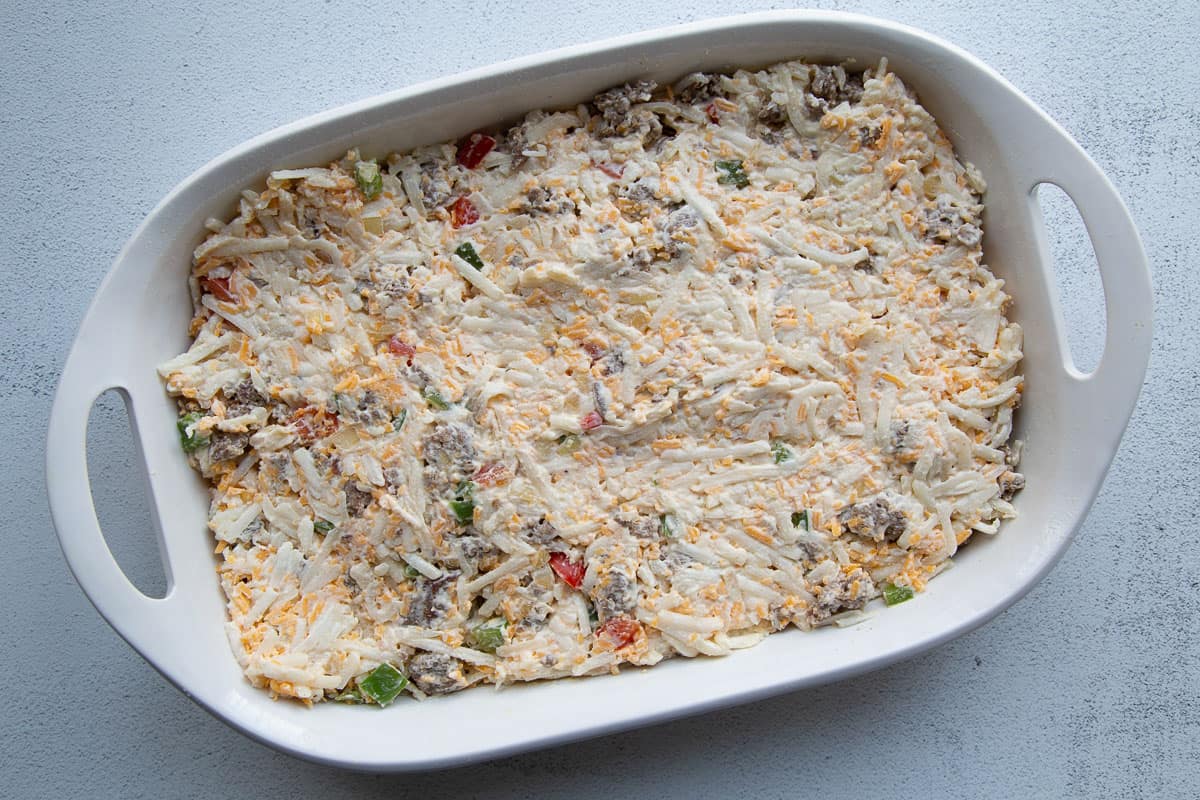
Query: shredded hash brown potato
point(655, 376)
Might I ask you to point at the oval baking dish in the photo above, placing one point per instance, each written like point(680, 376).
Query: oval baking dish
point(1071, 422)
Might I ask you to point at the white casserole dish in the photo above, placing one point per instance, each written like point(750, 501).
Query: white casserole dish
point(1072, 422)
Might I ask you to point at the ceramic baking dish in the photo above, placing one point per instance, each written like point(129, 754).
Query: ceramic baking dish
point(1072, 422)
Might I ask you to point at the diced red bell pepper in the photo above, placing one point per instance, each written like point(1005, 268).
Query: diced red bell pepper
point(593, 349)
point(591, 420)
point(401, 348)
point(711, 111)
point(463, 212)
point(218, 288)
point(571, 572)
point(619, 631)
point(472, 149)
point(490, 474)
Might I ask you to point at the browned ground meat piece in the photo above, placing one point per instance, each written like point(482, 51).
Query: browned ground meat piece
point(870, 263)
point(430, 600)
point(540, 200)
point(947, 221)
point(436, 673)
point(357, 500)
point(242, 399)
point(614, 595)
point(875, 520)
point(636, 200)
point(642, 526)
point(771, 114)
point(515, 144)
point(275, 470)
point(676, 231)
point(868, 135)
point(535, 616)
point(473, 548)
point(540, 532)
point(844, 592)
point(224, 446)
point(516, 140)
point(830, 86)
point(435, 185)
point(392, 287)
point(1010, 483)
point(635, 263)
point(697, 87)
point(394, 478)
point(897, 438)
point(618, 117)
point(370, 410)
point(449, 454)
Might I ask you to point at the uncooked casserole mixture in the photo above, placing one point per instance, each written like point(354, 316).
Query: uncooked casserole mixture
point(653, 376)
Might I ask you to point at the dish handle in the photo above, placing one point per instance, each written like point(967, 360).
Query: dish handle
point(140, 619)
point(1052, 156)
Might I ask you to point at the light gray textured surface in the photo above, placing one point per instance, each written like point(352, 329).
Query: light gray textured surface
point(1087, 688)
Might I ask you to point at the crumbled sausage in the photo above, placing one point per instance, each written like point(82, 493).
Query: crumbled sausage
point(870, 263)
point(436, 673)
point(676, 231)
point(242, 399)
point(614, 595)
point(640, 257)
point(842, 592)
point(435, 185)
point(370, 410)
point(947, 221)
point(535, 616)
point(384, 290)
point(515, 144)
point(276, 471)
point(1010, 483)
point(473, 548)
point(224, 446)
point(697, 87)
point(540, 532)
point(357, 500)
point(875, 520)
point(449, 454)
point(831, 86)
point(897, 437)
point(430, 600)
point(641, 526)
point(618, 117)
point(771, 114)
point(636, 200)
point(394, 478)
point(516, 140)
point(540, 200)
point(868, 135)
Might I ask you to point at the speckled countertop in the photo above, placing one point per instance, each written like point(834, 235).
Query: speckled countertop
point(1087, 688)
